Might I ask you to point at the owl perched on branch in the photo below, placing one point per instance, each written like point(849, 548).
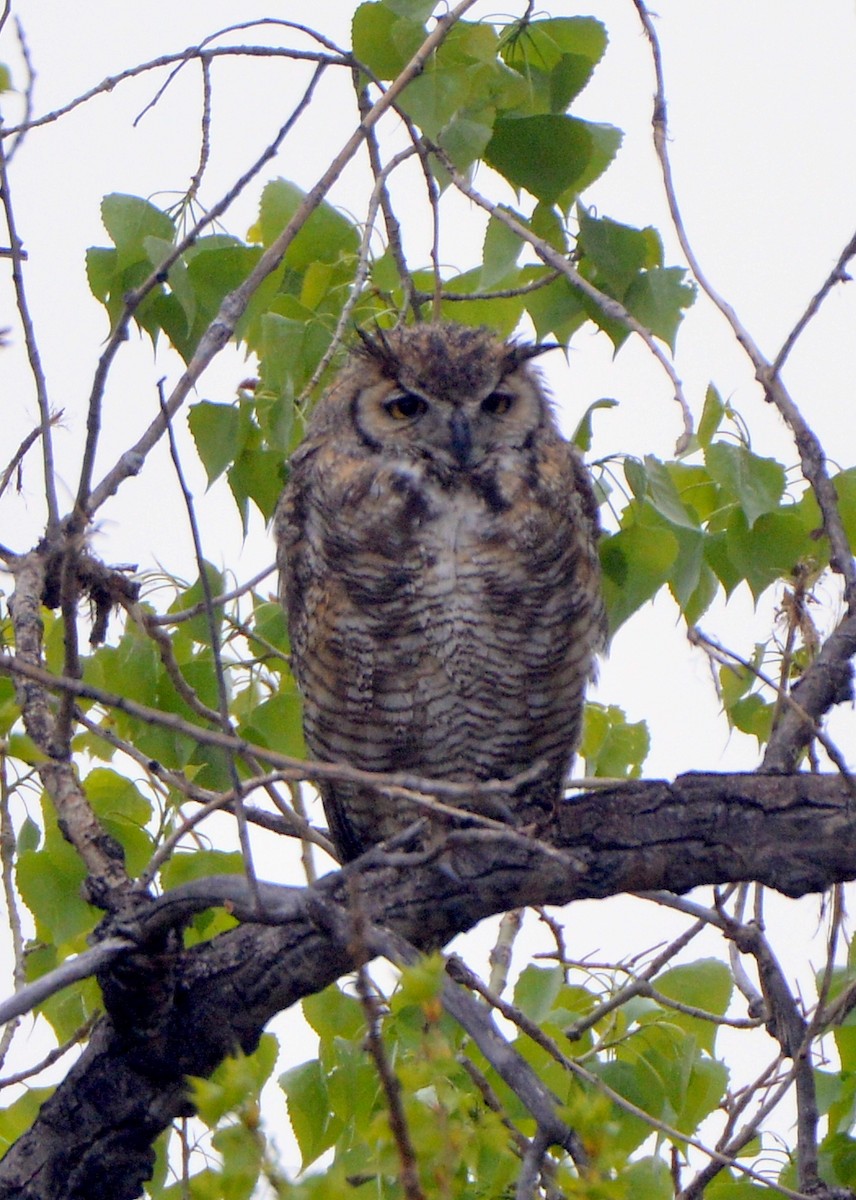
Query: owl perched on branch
point(437, 546)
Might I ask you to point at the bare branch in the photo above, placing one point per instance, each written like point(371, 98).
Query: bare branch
point(36, 369)
point(132, 460)
point(810, 450)
point(838, 274)
point(392, 1090)
point(182, 56)
point(18, 456)
point(223, 326)
point(606, 304)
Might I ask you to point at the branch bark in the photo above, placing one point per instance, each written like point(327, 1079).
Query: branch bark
point(796, 833)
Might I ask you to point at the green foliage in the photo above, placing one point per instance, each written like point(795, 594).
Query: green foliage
point(694, 528)
point(612, 746)
point(715, 518)
point(658, 1057)
point(229, 1104)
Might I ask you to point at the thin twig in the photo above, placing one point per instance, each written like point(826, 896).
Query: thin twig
point(415, 789)
point(232, 308)
point(79, 1035)
point(393, 228)
point(187, 614)
point(812, 458)
point(838, 274)
point(36, 369)
point(697, 638)
point(609, 306)
point(205, 125)
point(181, 56)
point(641, 982)
point(533, 1031)
point(409, 1173)
point(18, 456)
point(132, 460)
point(26, 91)
point(225, 719)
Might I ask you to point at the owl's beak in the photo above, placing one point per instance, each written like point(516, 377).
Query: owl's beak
point(461, 437)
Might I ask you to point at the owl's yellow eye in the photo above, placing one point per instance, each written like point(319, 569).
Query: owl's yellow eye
point(497, 404)
point(405, 407)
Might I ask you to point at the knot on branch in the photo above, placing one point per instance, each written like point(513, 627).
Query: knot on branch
point(70, 570)
point(139, 985)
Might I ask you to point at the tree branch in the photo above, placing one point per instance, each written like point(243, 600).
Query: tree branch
point(796, 833)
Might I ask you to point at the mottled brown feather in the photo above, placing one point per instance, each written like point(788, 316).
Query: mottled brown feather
point(439, 571)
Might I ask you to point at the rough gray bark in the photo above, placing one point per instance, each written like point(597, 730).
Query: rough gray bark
point(174, 1012)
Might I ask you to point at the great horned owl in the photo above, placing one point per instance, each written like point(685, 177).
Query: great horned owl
point(438, 565)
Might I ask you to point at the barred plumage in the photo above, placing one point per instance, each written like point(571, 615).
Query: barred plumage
point(437, 546)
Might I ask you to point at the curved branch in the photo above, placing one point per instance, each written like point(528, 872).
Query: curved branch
point(812, 458)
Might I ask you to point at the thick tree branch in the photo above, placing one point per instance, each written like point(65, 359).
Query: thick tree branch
point(796, 833)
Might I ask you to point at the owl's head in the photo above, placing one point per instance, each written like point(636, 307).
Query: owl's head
point(450, 392)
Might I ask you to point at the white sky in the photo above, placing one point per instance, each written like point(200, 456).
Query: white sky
point(762, 98)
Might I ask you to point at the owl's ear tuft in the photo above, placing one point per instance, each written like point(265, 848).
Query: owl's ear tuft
point(517, 353)
point(376, 347)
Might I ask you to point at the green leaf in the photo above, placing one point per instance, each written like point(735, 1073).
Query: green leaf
point(639, 1084)
point(242, 1152)
point(465, 137)
point(618, 252)
point(215, 431)
point(502, 315)
point(612, 746)
point(50, 881)
point(326, 235)
point(19, 1116)
point(436, 96)
point(124, 812)
point(546, 223)
point(186, 866)
point(636, 563)
point(536, 990)
point(711, 416)
point(197, 628)
point(257, 475)
point(770, 549)
point(331, 1014)
point(556, 57)
point(276, 723)
point(705, 1089)
point(555, 308)
point(101, 271)
point(663, 496)
point(129, 220)
point(686, 574)
point(551, 155)
point(705, 984)
point(5, 79)
point(726, 1187)
point(308, 1103)
point(696, 489)
point(754, 716)
point(658, 298)
point(384, 41)
point(501, 250)
point(648, 1179)
point(415, 10)
point(756, 483)
point(582, 435)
